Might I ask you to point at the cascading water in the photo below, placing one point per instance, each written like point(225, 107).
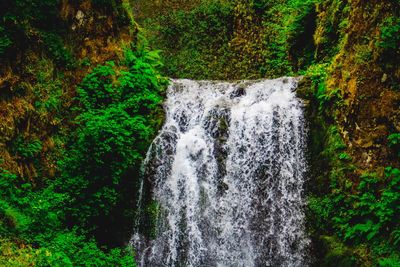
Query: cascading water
point(228, 171)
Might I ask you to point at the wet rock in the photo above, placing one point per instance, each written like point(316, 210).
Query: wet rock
point(238, 92)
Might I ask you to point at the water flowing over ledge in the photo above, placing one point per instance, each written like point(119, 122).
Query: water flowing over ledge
point(228, 171)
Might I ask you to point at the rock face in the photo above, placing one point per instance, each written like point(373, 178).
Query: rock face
point(371, 101)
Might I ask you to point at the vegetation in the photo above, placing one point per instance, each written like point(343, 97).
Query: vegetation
point(244, 39)
point(71, 202)
point(33, 230)
point(21, 19)
point(121, 111)
point(73, 132)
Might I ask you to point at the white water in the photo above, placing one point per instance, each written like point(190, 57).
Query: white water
point(228, 172)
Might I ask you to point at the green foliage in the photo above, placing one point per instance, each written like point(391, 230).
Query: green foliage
point(364, 54)
point(299, 28)
point(394, 139)
point(195, 40)
point(376, 208)
point(326, 97)
point(318, 75)
point(27, 148)
point(344, 157)
point(5, 41)
point(23, 21)
point(321, 209)
point(389, 44)
point(370, 215)
point(47, 88)
point(334, 143)
point(34, 218)
point(121, 112)
point(67, 250)
point(56, 49)
point(97, 89)
point(394, 142)
point(11, 217)
point(337, 253)
point(260, 5)
point(393, 261)
point(248, 39)
point(390, 34)
point(331, 28)
point(276, 50)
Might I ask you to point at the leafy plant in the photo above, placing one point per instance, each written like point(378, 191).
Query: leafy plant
point(120, 114)
point(394, 142)
point(394, 139)
point(34, 218)
point(27, 148)
point(326, 98)
point(56, 49)
point(47, 88)
point(371, 214)
point(5, 41)
point(390, 30)
point(393, 261)
point(344, 157)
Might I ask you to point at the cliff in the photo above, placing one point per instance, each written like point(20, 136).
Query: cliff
point(348, 53)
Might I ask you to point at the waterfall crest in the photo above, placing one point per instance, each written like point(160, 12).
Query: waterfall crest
point(228, 171)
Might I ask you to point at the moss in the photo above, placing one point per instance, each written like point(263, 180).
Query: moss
point(337, 254)
point(152, 213)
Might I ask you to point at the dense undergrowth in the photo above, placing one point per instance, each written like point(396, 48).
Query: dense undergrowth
point(78, 217)
point(241, 39)
point(80, 211)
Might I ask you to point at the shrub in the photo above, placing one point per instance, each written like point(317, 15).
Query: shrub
point(394, 139)
point(56, 49)
point(389, 45)
point(34, 218)
point(48, 87)
point(27, 148)
point(390, 34)
point(394, 142)
point(120, 114)
point(369, 215)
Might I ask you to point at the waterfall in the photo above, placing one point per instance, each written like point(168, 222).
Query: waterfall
point(227, 171)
